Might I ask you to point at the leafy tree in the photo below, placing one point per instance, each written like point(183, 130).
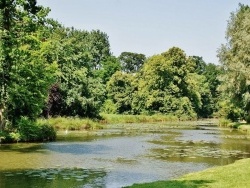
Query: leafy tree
point(168, 84)
point(200, 65)
point(131, 62)
point(108, 68)
point(76, 94)
point(79, 54)
point(210, 83)
point(235, 59)
point(120, 91)
point(98, 48)
point(25, 75)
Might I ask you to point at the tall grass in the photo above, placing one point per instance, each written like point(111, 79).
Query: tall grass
point(72, 123)
point(224, 122)
point(115, 118)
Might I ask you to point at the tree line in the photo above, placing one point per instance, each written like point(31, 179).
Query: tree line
point(47, 69)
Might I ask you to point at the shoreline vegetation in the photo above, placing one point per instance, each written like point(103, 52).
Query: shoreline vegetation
point(223, 176)
point(77, 124)
point(232, 175)
point(46, 129)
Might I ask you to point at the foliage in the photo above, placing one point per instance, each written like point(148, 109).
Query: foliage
point(165, 85)
point(108, 67)
point(26, 75)
point(224, 122)
point(109, 107)
point(54, 101)
point(71, 123)
point(31, 131)
point(98, 47)
point(234, 57)
point(229, 110)
point(120, 89)
point(15, 136)
point(79, 55)
point(60, 71)
point(131, 62)
point(208, 88)
point(169, 83)
point(122, 118)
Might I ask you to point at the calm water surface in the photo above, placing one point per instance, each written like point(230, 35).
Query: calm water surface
point(118, 157)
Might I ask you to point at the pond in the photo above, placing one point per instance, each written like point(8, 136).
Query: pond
point(119, 156)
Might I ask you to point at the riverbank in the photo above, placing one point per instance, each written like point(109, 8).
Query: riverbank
point(72, 123)
point(120, 118)
point(242, 126)
point(229, 176)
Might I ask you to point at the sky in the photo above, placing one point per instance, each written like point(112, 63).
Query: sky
point(151, 26)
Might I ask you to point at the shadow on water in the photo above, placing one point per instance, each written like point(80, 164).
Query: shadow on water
point(77, 149)
point(179, 184)
point(120, 157)
point(48, 178)
point(23, 148)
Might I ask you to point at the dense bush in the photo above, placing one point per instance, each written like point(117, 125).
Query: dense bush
point(31, 131)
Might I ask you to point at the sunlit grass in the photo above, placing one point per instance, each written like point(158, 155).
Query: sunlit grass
point(73, 123)
point(230, 176)
point(70, 123)
point(115, 118)
point(244, 127)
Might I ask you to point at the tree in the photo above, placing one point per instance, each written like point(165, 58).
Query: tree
point(108, 67)
point(209, 92)
point(131, 62)
point(168, 85)
point(25, 75)
point(235, 59)
point(79, 55)
point(98, 48)
point(120, 91)
point(200, 65)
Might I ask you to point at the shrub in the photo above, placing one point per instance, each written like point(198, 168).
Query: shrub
point(48, 133)
point(71, 123)
point(15, 136)
point(31, 131)
point(109, 107)
point(224, 122)
point(4, 137)
point(247, 118)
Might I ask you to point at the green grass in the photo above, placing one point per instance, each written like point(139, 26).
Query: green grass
point(71, 123)
point(66, 123)
point(229, 176)
point(244, 127)
point(225, 122)
point(115, 118)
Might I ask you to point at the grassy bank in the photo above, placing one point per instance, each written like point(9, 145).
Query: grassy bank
point(230, 176)
point(242, 126)
point(70, 123)
point(245, 128)
point(117, 118)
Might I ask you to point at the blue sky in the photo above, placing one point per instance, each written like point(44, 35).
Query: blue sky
point(151, 26)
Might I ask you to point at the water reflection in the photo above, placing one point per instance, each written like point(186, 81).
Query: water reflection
point(201, 146)
point(53, 177)
point(119, 157)
point(78, 148)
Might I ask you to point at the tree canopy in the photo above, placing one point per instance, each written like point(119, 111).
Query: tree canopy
point(52, 70)
point(235, 60)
